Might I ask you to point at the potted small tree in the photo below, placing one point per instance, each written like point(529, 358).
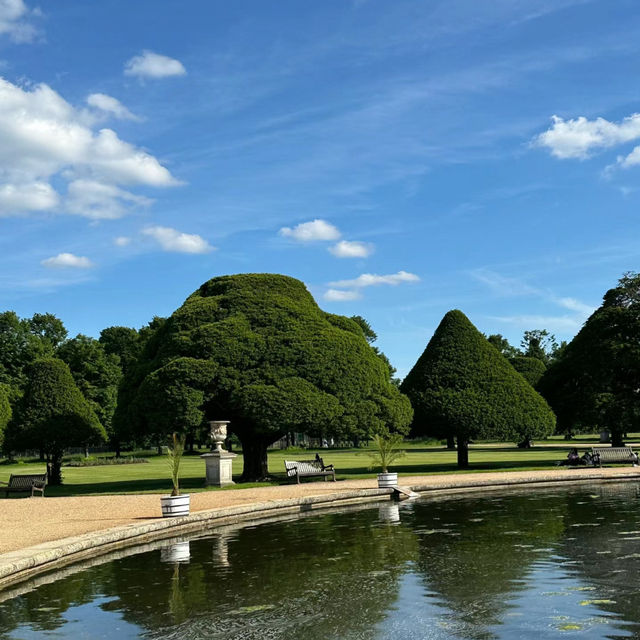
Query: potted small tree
point(387, 451)
point(176, 504)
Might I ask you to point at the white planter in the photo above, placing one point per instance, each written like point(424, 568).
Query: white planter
point(177, 552)
point(174, 506)
point(386, 480)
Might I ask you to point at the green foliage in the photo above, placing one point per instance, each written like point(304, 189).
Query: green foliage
point(540, 344)
point(52, 415)
point(24, 341)
point(255, 349)
point(367, 330)
point(503, 346)
point(104, 462)
point(123, 342)
point(96, 373)
point(174, 457)
point(387, 450)
point(596, 381)
point(5, 410)
point(531, 369)
point(462, 385)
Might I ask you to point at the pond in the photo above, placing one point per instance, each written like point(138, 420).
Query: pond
point(535, 564)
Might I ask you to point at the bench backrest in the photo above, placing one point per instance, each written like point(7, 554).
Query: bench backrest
point(302, 466)
point(614, 453)
point(25, 481)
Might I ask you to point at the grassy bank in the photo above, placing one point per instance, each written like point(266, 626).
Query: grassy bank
point(421, 458)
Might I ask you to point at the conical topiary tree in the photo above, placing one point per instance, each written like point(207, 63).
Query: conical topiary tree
point(257, 350)
point(52, 415)
point(462, 385)
point(531, 369)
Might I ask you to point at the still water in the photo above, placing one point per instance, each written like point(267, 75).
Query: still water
point(536, 564)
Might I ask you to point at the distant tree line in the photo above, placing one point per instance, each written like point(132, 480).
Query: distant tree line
point(256, 349)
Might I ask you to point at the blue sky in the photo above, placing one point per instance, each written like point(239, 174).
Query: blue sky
point(402, 158)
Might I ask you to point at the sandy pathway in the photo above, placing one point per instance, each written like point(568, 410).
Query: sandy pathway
point(30, 521)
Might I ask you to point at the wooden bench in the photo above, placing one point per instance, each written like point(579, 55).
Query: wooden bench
point(25, 484)
point(308, 468)
point(614, 455)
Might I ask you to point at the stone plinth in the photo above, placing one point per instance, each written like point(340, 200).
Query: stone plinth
point(218, 466)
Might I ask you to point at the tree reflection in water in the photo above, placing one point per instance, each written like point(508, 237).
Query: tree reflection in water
point(533, 564)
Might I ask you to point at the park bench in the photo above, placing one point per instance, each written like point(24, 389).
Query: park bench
point(614, 455)
point(308, 468)
point(25, 483)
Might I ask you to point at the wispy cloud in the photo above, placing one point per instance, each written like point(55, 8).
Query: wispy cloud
point(153, 65)
point(173, 240)
point(315, 231)
point(372, 280)
point(111, 106)
point(67, 261)
point(338, 295)
point(508, 287)
point(16, 21)
point(348, 249)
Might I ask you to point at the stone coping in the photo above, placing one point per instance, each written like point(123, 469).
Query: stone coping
point(16, 566)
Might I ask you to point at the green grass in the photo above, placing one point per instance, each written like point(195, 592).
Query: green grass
point(421, 459)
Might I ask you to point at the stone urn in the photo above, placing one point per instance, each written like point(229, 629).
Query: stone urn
point(219, 463)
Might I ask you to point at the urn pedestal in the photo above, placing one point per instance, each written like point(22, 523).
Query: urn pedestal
point(219, 463)
point(218, 468)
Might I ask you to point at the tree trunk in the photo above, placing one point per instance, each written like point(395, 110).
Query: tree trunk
point(463, 454)
point(451, 442)
point(86, 451)
point(42, 458)
point(617, 439)
point(54, 469)
point(116, 446)
point(254, 457)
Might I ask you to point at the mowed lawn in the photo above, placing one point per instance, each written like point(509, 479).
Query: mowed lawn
point(153, 477)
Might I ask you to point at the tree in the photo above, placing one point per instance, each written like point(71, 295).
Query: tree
point(462, 385)
point(531, 369)
point(48, 328)
point(540, 344)
point(52, 415)
point(503, 346)
point(367, 330)
point(123, 342)
point(596, 382)
point(256, 349)
point(96, 373)
point(19, 346)
point(5, 410)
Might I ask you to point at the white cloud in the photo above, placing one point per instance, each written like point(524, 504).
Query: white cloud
point(584, 310)
point(122, 241)
point(347, 249)
point(578, 137)
point(153, 65)
point(336, 295)
point(110, 105)
point(14, 15)
point(67, 261)
point(46, 141)
point(173, 240)
point(314, 231)
point(100, 201)
point(371, 280)
point(563, 323)
point(503, 285)
point(31, 196)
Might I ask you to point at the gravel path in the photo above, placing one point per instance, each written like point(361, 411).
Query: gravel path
point(30, 521)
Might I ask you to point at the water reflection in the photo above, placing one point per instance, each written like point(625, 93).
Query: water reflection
point(528, 565)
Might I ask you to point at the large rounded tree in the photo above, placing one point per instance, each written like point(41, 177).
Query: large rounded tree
point(52, 415)
point(462, 385)
point(596, 382)
point(256, 349)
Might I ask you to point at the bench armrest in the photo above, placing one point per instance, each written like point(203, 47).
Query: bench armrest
point(5, 483)
point(39, 483)
point(327, 467)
